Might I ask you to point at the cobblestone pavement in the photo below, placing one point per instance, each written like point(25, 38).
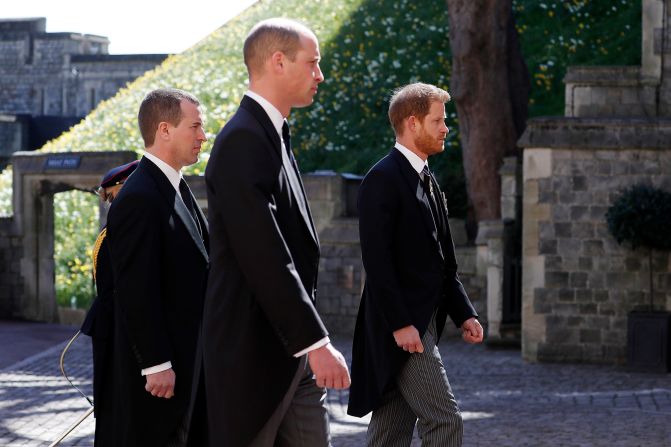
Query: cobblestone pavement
point(505, 402)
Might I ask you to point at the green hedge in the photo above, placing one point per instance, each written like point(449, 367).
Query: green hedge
point(368, 48)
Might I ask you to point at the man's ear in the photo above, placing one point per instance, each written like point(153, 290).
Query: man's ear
point(411, 123)
point(277, 61)
point(163, 131)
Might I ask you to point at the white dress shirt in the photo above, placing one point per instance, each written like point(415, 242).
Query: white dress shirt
point(173, 177)
point(278, 120)
point(416, 162)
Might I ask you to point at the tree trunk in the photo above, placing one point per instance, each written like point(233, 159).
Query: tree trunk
point(490, 85)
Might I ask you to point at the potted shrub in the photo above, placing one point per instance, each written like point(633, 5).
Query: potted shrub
point(641, 217)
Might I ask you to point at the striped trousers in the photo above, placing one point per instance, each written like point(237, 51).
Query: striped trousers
point(422, 396)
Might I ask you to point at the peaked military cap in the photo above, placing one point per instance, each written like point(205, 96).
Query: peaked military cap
point(118, 175)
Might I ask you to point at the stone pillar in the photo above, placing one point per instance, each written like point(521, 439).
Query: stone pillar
point(537, 166)
point(490, 248)
point(651, 41)
point(661, 39)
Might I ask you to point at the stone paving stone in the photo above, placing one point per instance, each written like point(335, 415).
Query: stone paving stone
point(504, 401)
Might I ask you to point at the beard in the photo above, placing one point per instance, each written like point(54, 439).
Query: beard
point(429, 145)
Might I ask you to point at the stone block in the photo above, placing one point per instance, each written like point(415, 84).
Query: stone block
point(566, 294)
point(561, 334)
point(582, 230)
point(565, 309)
point(600, 295)
point(579, 183)
point(553, 262)
point(590, 336)
point(575, 321)
point(546, 230)
point(537, 164)
point(588, 308)
point(598, 212)
point(583, 295)
point(578, 279)
point(595, 280)
point(593, 247)
point(632, 264)
point(543, 301)
point(579, 212)
point(562, 229)
point(566, 197)
point(458, 230)
point(585, 263)
point(546, 195)
point(547, 247)
point(560, 212)
point(557, 279)
point(568, 247)
point(603, 169)
point(597, 322)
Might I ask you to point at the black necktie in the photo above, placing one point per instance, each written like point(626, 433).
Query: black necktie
point(431, 194)
point(286, 137)
point(185, 192)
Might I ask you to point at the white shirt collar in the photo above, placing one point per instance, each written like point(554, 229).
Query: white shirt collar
point(173, 176)
point(275, 116)
point(416, 162)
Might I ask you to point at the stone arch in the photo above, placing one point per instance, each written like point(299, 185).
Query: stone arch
point(27, 238)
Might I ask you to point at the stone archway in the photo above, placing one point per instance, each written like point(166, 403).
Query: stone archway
point(27, 238)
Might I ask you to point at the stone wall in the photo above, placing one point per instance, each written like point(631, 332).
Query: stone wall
point(59, 74)
point(12, 136)
point(609, 91)
point(578, 283)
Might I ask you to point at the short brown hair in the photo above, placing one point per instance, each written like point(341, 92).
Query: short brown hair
point(269, 36)
point(413, 100)
point(163, 104)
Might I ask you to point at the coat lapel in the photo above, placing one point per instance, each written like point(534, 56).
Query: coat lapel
point(414, 183)
point(290, 170)
point(170, 194)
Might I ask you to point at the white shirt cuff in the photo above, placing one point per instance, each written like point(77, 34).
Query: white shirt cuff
point(323, 342)
point(156, 369)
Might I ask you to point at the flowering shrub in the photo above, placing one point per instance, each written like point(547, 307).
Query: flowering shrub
point(368, 48)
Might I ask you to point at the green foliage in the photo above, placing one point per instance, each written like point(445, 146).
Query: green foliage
point(6, 192)
point(368, 48)
point(558, 34)
point(641, 217)
point(73, 245)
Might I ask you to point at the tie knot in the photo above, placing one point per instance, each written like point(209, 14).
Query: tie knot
point(426, 171)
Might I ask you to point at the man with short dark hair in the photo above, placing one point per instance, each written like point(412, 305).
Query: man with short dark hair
point(267, 355)
point(158, 245)
point(411, 285)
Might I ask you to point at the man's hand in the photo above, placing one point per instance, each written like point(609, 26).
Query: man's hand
point(472, 331)
point(161, 384)
point(329, 367)
point(408, 339)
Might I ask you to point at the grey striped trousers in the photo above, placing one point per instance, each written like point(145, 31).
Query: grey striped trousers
point(423, 396)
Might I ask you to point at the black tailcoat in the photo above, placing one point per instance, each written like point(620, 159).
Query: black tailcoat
point(411, 272)
point(98, 325)
point(160, 265)
point(259, 308)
